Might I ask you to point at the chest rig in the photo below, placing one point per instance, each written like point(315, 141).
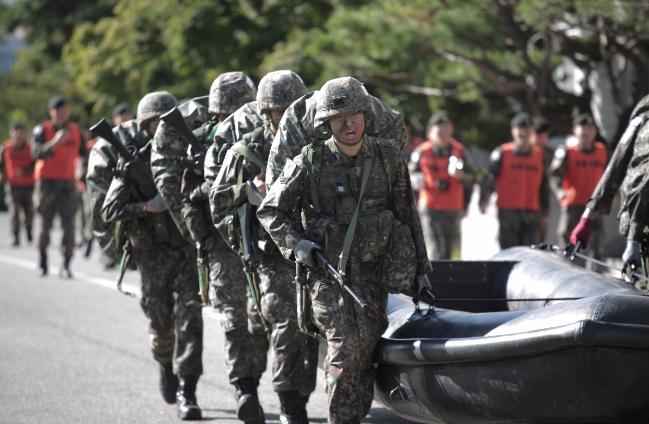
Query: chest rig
point(347, 228)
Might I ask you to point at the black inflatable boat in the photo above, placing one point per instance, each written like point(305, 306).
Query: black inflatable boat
point(548, 361)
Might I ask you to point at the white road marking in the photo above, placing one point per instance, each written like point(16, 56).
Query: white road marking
point(82, 277)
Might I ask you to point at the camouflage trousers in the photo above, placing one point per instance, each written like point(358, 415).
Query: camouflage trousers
point(441, 232)
point(21, 201)
point(518, 227)
point(352, 335)
point(295, 355)
point(171, 303)
point(246, 345)
point(56, 198)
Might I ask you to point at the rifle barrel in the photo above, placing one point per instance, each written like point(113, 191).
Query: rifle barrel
point(104, 130)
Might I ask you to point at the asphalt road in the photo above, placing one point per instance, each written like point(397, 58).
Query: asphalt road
point(76, 351)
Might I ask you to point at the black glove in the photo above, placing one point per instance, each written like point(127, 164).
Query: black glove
point(424, 289)
point(631, 256)
point(304, 252)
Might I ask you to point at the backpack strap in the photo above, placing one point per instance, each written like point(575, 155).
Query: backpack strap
point(241, 147)
point(308, 164)
point(351, 229)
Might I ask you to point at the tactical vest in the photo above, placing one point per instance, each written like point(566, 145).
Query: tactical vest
point(333, 197)
point(441, 191)
point(519, 180)
point(19, 165)
point(63, 162)
point(583, 171)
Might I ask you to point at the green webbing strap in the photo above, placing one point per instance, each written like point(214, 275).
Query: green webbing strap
point(212, 133)
point(314, 190)
point(249, 154)
point(351, 230)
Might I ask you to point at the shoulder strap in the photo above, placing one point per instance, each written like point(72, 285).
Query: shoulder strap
point(351, 230)
point(308, 164)
point(245, 151)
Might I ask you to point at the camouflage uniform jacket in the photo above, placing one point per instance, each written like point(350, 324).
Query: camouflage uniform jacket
point(145, 230)
point(627, 170)
point(169, 150)
point(243, 121)
point(338, 185)
point(229, 190)
point(296, 130)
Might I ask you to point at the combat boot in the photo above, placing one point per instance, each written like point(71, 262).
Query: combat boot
point(293, 408)
point(168, 383)
point(248, 409)
point(16, 240)
point(186, 406)
point(65, 269)
point(42, 263)
point(29, 235)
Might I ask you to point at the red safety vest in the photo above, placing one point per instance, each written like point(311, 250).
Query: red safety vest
point(583, 171)
point(19, 165)
point(435, 169)
point(62, 164)
point(519, 181)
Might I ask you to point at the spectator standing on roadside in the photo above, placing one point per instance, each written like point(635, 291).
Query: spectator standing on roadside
point(516, 172)
point(57, 146)
point(17, 168)
point(446, 181)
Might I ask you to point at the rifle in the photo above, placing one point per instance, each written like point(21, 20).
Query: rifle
point(137, 172)
point(175, 119)
point(303, 303)
point(244, 213)
point(339, 278)
point(201, 264)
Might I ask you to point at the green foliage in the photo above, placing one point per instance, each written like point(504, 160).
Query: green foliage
point(481, 60)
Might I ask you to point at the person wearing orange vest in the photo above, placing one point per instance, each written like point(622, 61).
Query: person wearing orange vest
point(446, 179)
point(517, 173)
point(17, 168)
point(58, 144)
point(575, 170)
point(540, 139)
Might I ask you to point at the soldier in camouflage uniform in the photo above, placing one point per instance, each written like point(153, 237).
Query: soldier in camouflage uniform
point(186, 192)
point(295, 354)
point(297, 129)
point(165, 260)
point(627, 171)
point(324, 184)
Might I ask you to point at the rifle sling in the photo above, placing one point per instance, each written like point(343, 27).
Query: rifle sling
point(351, 229)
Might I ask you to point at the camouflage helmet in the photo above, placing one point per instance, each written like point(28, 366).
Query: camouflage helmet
point(338, 96)
point(154, 104)
point(230, 91)
point(278, 89)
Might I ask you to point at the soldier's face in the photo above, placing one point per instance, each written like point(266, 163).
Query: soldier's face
point(60, 115)
point(18, 135)
point(521, 135)
point(348, 128)
point(274, 116)
point(585, 134)
point(441, 132)
point(151, 126)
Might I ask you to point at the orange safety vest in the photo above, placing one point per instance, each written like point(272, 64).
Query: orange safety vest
point(441, 191)
point(583, 171)
point(62, 164)
point(519, 181)
point(19, 165)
